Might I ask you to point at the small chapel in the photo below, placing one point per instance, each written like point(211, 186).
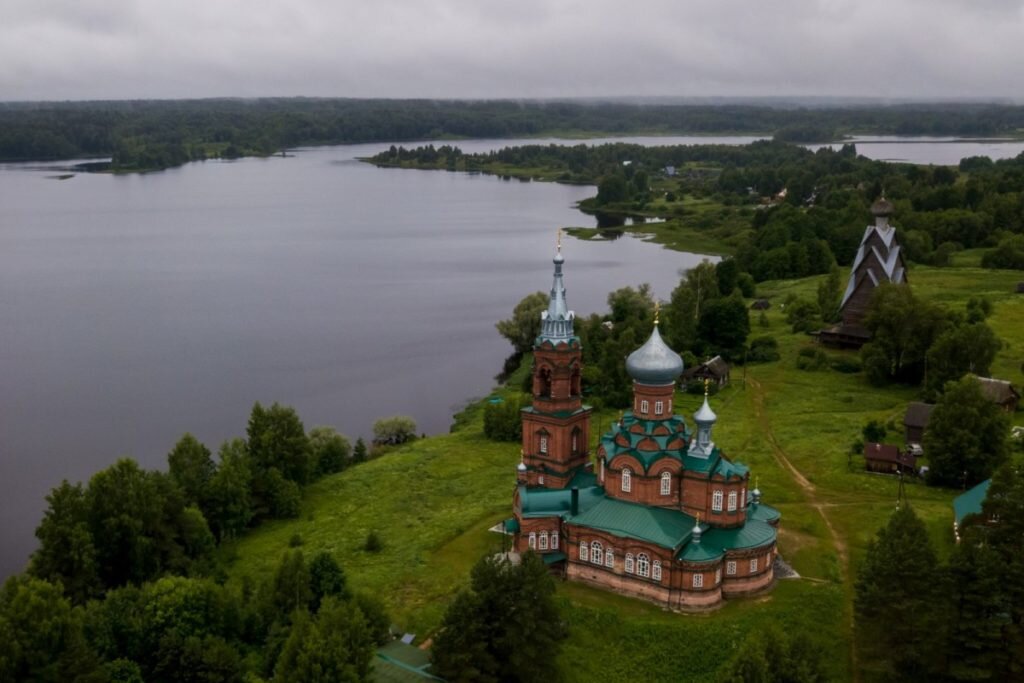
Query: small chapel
point(660, 513)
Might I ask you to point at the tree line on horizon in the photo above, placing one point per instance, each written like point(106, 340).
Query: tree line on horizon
point(154, 134)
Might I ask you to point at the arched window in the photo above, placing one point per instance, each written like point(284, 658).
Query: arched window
point(643, 565)
point(698, 580)
point(609, 558)
point(644, 406)
point(627, 480)
point(543, 540)
point(543, 385)
point(629, 563)
point(732, 501)
point(542, 442)
point(596, 554)
point(716, 501)
point(533, 540)
point(656, 570)
point(659, 407)
point(584, 555)
point(554, 540)
point(666, 483)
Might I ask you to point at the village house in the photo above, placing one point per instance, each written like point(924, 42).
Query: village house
point(1000, 392)
point(664, 516)
point(915, 421)
point(714, 370)
point(888, 459)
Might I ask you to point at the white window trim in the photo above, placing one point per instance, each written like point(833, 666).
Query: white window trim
point(732, 501)
point(584, 552)
point(743, 497)
point(543, 540)
point(629, 563)
point(718, 576)
point(543, 444)
point(554, 540)
point(609, 558)
point(753, 565)
point(627, 480)
point(716, 500)
point(730, 568)
point(533, 540)
point(645, 406)
point(666, 483)
point(540, 480)
point(643, 565)
point(596, 552)
point(659, 407)
point(656, 570)
point(698, 580)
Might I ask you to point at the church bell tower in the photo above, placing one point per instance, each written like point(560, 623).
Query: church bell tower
point(556, 427)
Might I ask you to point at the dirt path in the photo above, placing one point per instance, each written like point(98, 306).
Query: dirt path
point(810, 491)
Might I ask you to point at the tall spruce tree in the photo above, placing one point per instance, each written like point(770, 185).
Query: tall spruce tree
point(896, 603)
point(505, 628)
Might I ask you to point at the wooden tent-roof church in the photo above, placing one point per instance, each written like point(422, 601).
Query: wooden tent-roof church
point(879, 259)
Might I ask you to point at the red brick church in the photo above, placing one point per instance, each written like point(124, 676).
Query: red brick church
point(664, 516)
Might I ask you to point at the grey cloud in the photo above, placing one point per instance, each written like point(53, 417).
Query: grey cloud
point(75, 49)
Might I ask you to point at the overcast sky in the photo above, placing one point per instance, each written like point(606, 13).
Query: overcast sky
point(88, 49)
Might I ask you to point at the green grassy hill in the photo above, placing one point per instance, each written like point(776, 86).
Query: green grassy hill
point(433, 501)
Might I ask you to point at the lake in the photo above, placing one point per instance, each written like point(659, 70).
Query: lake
point(135, 308)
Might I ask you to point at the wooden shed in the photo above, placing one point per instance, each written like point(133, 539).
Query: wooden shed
point(888, 459)
point(715, 370)
point(915, 421)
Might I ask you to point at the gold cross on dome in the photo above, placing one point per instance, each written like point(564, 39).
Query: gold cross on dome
point(657, 311)
point(559, 241)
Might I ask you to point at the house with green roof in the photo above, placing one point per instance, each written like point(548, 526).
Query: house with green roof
point(968, 503)
point(659, 512)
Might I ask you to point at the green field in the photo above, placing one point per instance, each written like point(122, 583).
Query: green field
point(432, 502)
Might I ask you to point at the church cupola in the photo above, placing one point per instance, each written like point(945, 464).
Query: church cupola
point(556, 322)
point(881, 210)
point(654, 363)
point(702, 446)
point(654, 368)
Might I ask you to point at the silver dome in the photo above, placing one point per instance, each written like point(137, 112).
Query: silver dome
point(654, 363)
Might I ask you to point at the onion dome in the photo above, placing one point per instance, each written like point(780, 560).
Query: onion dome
point(696, 532)
point(654, 363)
point(882, 207)
point(521, 467)
point(702, 446)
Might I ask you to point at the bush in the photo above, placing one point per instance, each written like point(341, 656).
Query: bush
point(848, 365)
point(391, 431)
point(803, 315)
point(763, 350)
point(295, 541)
point(373, 543)
point(812, 359)
point(502, 421)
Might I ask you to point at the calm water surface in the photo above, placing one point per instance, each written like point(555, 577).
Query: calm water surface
point(135, 308)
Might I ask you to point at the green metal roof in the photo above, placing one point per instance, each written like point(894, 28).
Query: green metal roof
point(511, 525)
point(700, 552)
point(583, 479)
point(969, 502)
point(666, 528)
point(751, 535)
point(729, 470)
point(551, 558)
point(397, 662)
point(558, 413)
point(762, 512)
point(541, 502)
point(675, 424)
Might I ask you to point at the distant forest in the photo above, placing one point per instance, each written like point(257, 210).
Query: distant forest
point(147, 135)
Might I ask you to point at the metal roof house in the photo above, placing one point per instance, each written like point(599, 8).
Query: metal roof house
point(968, 503)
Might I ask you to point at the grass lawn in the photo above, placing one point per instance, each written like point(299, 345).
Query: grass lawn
point(432, 502)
